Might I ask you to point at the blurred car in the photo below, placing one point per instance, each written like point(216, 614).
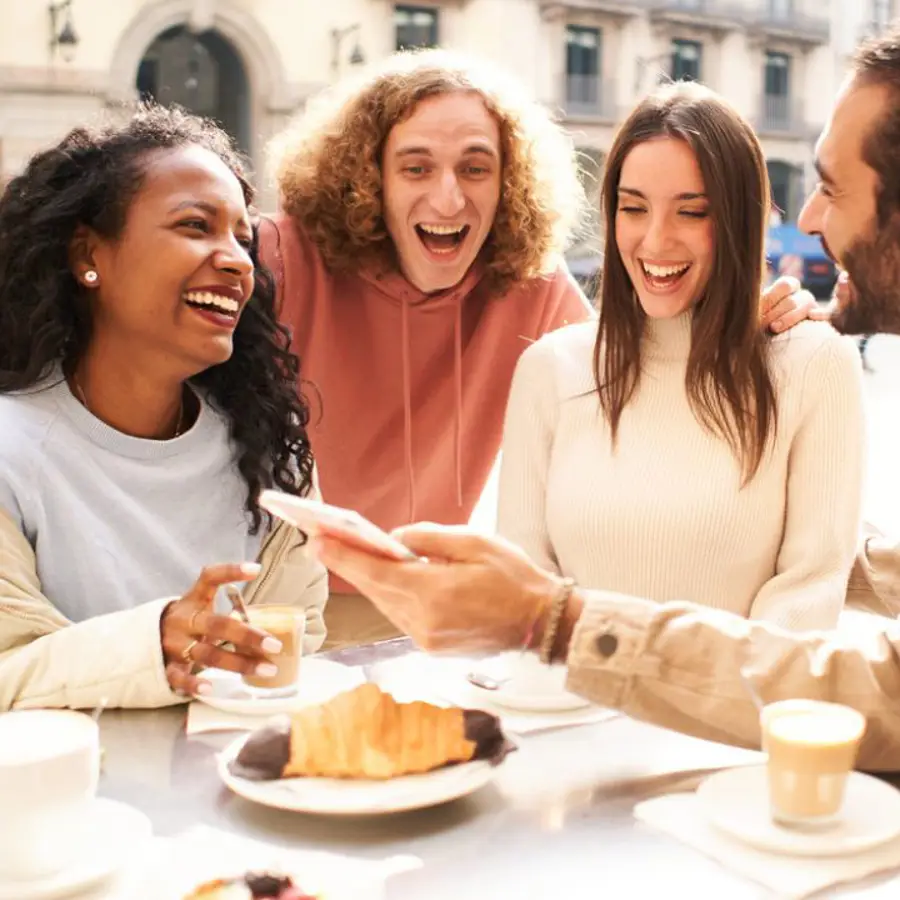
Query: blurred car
point(791, 252)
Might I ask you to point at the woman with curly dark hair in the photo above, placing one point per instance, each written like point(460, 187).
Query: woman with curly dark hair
point(147, 396)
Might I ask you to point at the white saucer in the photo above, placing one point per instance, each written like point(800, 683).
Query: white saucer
point(352, 797)
point(737, 802)
point(550, 696)
point(117, 829)
point(557, 701)
point(320, 680)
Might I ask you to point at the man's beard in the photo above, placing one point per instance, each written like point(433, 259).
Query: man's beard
point(873, 265)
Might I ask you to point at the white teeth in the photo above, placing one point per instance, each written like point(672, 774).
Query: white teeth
point(665, 271)
point(442, 229)
point(216, 301)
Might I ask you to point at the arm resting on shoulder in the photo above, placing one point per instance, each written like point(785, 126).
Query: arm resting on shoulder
point(680, 666)
point(47, 661)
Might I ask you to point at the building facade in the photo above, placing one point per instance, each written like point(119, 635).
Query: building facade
point(253, 63)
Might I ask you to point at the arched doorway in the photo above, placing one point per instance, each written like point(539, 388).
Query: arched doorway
point(204, 73)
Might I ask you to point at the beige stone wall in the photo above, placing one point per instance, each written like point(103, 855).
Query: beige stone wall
point(286, 48)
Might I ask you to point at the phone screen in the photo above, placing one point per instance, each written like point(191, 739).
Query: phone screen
point(312, 516)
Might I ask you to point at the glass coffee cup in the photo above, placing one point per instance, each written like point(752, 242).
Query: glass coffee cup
point(288, 625)
point(812, 747)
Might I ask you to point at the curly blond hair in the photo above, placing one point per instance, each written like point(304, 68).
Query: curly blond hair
point(328, 166)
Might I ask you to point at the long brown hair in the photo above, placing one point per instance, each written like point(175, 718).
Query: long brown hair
point(728, 382)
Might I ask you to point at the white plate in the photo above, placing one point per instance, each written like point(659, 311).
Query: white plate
point(117, 829)
point(349, 797)
point(320, 680)
point(737, 802)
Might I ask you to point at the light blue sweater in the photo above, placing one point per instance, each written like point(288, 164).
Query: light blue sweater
point(115, 520)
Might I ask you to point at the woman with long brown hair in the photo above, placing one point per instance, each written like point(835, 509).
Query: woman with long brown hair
point(675, 451)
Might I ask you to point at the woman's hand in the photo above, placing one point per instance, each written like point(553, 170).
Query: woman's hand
point(190, 633)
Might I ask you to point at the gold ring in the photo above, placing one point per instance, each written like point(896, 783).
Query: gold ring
point(186, 653)
point(192, 622)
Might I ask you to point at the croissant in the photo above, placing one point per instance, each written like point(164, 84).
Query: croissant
point(366, 734)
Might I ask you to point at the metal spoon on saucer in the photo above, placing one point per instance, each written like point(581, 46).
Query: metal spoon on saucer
point(485, 682)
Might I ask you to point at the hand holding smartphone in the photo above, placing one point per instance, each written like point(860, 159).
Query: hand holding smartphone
point(312, 516)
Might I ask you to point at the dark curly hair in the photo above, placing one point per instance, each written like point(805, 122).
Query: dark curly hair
point(90, 179)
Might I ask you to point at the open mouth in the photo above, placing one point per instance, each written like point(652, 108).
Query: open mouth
point(442, 240)
point(664, 277)
point(215, 307)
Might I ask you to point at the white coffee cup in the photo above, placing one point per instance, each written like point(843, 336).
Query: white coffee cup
point(528, 676)
point(49, 769)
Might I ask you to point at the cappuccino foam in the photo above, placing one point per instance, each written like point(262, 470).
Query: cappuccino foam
point(817, 726)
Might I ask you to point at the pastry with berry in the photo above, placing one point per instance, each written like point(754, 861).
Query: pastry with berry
point(252, 886)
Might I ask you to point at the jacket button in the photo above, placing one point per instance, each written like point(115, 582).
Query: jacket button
point(606, 644)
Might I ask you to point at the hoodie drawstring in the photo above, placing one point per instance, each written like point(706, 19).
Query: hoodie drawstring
point(407, 405)
point(458, 423)
point(407, 410)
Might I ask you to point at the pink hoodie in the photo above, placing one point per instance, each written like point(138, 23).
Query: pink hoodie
point(413, 387)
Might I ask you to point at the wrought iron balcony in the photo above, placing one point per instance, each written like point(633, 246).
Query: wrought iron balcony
point(786, 20)
point(712, 15)
point(782, 116)
point(589, 97)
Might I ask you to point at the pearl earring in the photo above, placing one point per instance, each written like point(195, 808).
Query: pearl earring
point(91, 277)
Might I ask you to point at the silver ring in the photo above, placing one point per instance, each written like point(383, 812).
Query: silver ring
point(186, 653)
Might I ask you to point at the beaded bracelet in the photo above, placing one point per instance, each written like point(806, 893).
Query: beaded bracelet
point(554, 617)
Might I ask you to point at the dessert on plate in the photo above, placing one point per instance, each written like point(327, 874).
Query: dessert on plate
point(366, 734)
point(252, 886)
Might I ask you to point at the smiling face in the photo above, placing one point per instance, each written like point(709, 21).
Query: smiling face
point(843, 210)
point(172, 285)
point(441, 176)
point(664, 231)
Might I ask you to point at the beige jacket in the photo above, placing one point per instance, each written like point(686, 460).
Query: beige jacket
point(687, 667)
point(116, 659)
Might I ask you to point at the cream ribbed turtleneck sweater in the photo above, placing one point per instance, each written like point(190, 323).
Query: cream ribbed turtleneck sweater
point(664, 515)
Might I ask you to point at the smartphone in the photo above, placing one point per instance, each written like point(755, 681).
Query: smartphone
point(311, 515)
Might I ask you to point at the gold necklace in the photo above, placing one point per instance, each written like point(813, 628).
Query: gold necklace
point(79, 393)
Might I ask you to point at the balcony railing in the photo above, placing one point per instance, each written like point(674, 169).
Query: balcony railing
point(776, 18)
point(623, 9)
point(782, 115)
point(783, 20)
point(589, 96)
point(714, 14)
